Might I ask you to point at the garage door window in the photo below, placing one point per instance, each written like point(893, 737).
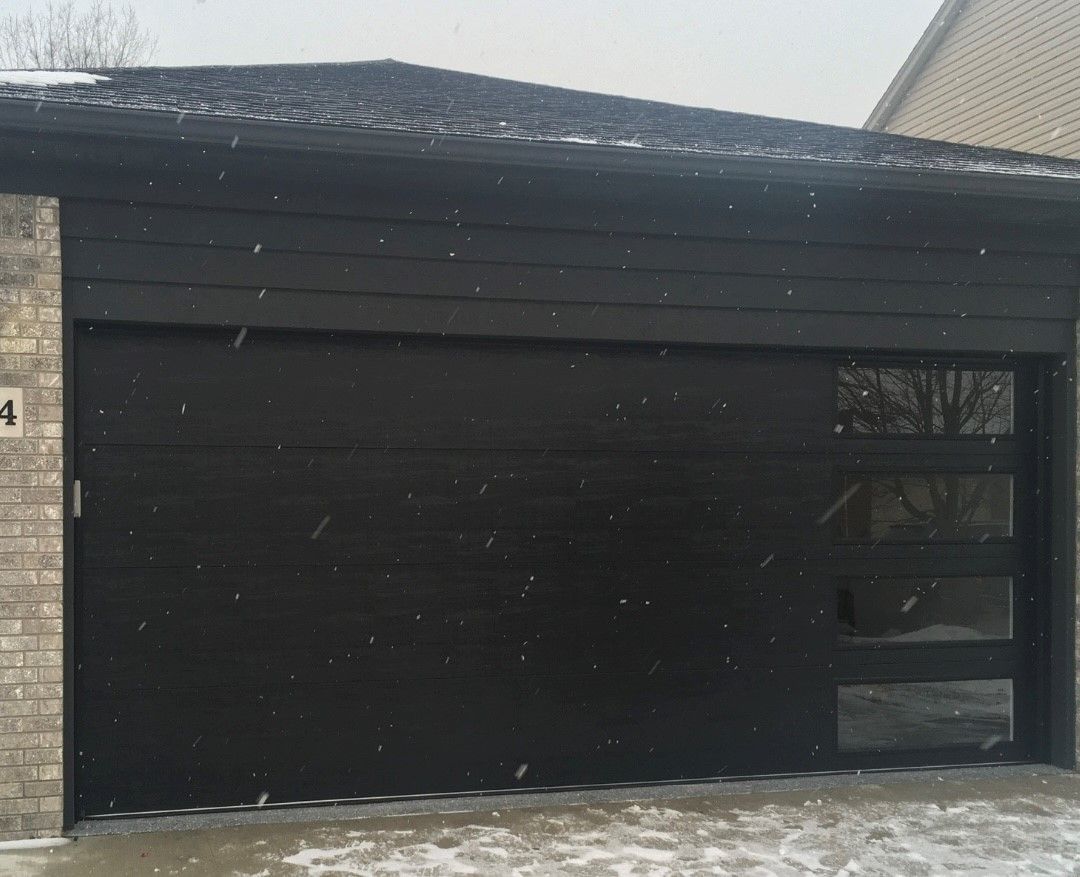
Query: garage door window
point(925, 715)
point(920, 401)
point(876, 611)
point(906, 507)
point(932, 514)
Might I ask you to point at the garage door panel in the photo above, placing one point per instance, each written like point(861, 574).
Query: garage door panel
point(187, 599)
point(225, 746)
point(162, 665)
point(170, 669)
point(694, 723)
point(171, 506)
point(168, 628)
point(684, 616)
point(165, 628)
point(432, 664)
point(334, 393)
point(626, 652)
point(386, 739)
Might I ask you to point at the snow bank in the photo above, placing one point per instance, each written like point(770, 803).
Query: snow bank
point(45, 78)
point(34, 843)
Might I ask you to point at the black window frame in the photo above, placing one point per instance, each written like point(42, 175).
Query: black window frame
point(871, 469)
point(1003, 743)
point(1015, 556)
point(1015, 610)
point(959, 363)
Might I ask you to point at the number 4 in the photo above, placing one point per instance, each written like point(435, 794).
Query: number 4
point(7, 412)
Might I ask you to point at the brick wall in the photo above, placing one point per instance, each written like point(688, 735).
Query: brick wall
point(31, 521)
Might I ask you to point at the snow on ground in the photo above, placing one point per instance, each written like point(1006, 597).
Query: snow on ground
point(46, 78)
point(1034, 834)
point(1022, 823)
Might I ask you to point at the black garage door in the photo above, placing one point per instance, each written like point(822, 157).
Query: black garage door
point(313, 567)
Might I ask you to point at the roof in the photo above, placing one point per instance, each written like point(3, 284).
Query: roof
point(914, 64)
point(389, 96)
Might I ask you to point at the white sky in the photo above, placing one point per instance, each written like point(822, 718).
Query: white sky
point(821, 60)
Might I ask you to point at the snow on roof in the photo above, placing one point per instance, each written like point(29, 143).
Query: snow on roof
point(46, 78)
point(390, 96)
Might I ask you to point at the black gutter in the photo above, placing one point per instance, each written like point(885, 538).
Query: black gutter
point(40, 119)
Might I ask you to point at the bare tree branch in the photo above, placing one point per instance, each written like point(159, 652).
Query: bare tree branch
point(926, 401)
point(62, 38)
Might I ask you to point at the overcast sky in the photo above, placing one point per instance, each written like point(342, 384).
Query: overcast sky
point(822, 60)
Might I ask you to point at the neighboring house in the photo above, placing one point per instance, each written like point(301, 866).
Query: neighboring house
point(1000, 73)
point(374, 431)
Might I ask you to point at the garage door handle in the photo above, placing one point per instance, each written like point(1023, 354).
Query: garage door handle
point(76, 498)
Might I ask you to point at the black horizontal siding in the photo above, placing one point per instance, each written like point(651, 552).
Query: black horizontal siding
point(579, 248)
point(216, 266)
point(159, 263)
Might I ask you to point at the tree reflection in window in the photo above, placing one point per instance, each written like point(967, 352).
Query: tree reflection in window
point(926, 507)
point(925, 401)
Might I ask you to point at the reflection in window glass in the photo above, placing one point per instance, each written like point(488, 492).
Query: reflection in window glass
point(929, 507)
point(918, 610)
point(924, 715)
point(925, 401)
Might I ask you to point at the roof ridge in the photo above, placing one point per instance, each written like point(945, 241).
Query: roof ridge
point(394, 62)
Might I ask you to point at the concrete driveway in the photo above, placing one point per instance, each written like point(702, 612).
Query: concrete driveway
point(1025, 823)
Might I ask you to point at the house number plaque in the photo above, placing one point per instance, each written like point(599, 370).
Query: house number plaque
point(11, 412)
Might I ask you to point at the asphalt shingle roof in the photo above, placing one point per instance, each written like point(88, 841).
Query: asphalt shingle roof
point(392, 96)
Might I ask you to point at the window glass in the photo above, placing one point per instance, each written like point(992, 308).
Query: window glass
point(924, 401)
point(924, 715)
point(928, 507)
point(919, 610)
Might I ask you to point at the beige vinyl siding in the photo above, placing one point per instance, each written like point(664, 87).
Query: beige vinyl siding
point(1029, 62)
point(1007, 74)
point(970, 57)
point(984, 74)
point(982, 37)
